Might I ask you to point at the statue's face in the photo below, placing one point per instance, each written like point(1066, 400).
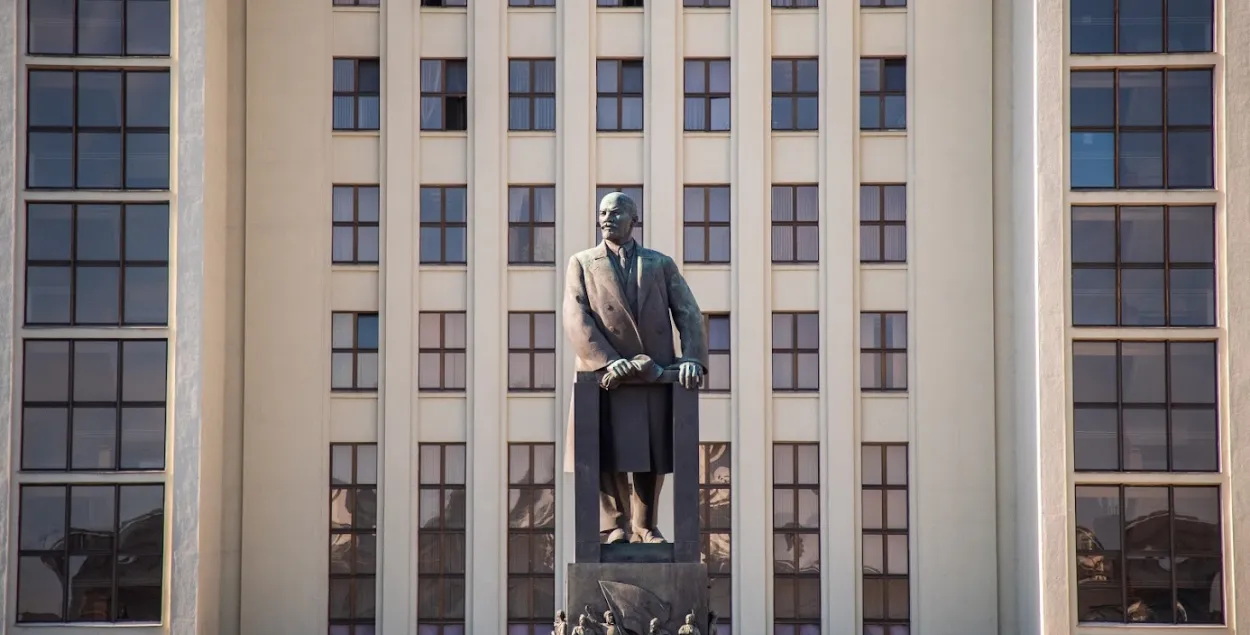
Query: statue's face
point(616, 220)
point(581, 621)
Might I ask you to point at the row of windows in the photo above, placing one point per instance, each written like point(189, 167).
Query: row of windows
point(619, 94)
point(779, 4)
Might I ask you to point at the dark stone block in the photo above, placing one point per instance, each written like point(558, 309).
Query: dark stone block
point(637, 592)
point(636, 552)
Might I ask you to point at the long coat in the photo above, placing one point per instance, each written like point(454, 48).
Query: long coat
point(636, 423)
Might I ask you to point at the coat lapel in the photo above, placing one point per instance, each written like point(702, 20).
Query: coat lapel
point(605, 278)
point(644, 265)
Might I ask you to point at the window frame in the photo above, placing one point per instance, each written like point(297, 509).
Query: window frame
point(706, 4)
point(796, 4)
point(532, 4)
point(619, 4)
point(441, 93)
point(879, 225)
point(705, 226)
point(879, 96)
point(531, 96)
point(707, 529)
point(538, 619)
point(793, 95)
point(794, 225)
point(794, 486)
point(1163, 34)
point(355, 224)
point(719, 358)
point(354, 491)
point(356, 94)
point(446, 490)
point(532, 352)
point(619, 96)
point(883, 352)
point(794, 351)
point(532, 225)
point(356, 351)
point(707, 95)
point(444, 4)
point(880, 485)
point(443, 351)
point(76, 27)
point(442, 225)
point(883, 4)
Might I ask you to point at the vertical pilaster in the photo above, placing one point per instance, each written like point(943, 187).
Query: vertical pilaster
point(749, 321)
point(8, 288)
point(663, 126)
point(485, 607)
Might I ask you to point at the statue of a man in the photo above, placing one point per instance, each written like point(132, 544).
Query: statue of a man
point(584, 626)
point(609, 623)
point(561, 624)
point(621, 302)
point(655, 628)
point(689, 628)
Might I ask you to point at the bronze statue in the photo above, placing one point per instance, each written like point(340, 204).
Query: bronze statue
point(621, 302)
point(655, 628)
point(585, 625)
point(561, 625)
point(689, 628)
point(609, 623)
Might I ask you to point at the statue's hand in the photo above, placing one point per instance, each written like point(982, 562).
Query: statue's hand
point(690, 375)
point(616, 372)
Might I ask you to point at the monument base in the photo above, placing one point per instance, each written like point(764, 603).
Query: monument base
point(636, 592)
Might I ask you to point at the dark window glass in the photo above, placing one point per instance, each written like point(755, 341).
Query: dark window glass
point(444, 95)
point(356, 3)
point(357, 94)
point(531, 3)
point(444, 3)
point(98, 129)
point(620, 3)
point(884, 523)
point(1142, 26)
point(90, 553)
point(883, 223)
point(531, 94)
point(531, 538)
point(715, 529)
point(707, 95)
point(94, 405)
point(97, 264)
point(634, 192)
point(356, 225)
point(353, 538)
point(883, 3)
point(1149, 555)
point(619, 95)
point(719, 345)
point(1143, 266)
point(796, 538)
point(1142, 129)
point(882, 351)
point(441, 360)
point(532, 225)
point(98, 28)
point(795, 4)
point(531, 352)
point(441, 539)
point(1145, 406)
point(354, 351)
point(883, 93)
point(796, 352)
point(444, 225)
point(705, 4)
point(796, 224)
point(705, 224)
point(796, 94)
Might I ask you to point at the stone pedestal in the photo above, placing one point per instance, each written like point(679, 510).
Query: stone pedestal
point(636, 592)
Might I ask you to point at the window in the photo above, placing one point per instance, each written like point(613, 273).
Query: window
point(882, 351)
point(1149, 554)
point(94, 405)
point(441, 539)
point(634, 192)
point(444, 225)
point(531, 225)
point(715, 528)
point(357, 94)
point(796, 94)
point(1143, 266)
point(886, 596)
point(353, 537)
point(97, 264)
point(1144, 406)
point(91, 553)
point(531, 538)
point(706, 224)
point(532, 94)
point(620, 3)
point(531, 3)
point(531, 351)
point(356, 225)
point(796, 224)
point(883, 3)
point(883, 93)
point(444, 3)
point(883, 223)
point(354, 351)
point(444, 95)
point(719, 378)
point(98, 129)
point(619, 88)
point(795, 4)
point(1162, 26)
point(99, 30)
point(441, 363)
point(707, 95)
point(705, 4)
point(796, 538)
point(796, 352)
point(1142, 129)
point(356, 3)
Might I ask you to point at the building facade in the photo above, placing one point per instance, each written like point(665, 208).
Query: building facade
point(292, 272)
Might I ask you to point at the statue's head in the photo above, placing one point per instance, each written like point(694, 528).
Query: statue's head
point(690, 618)
point(655, 623)
point(560, 615)
point(608, 617)
point(581, 619)
point(617, 215)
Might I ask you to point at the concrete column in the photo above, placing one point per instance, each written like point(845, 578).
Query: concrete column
point(663, 128)
point(8, 289)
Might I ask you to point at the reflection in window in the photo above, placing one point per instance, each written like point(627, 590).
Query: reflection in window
point(634, 192)
point(796, 223)
point(883, 223)
point(796, 539)
point(1149, 555)
point(357, 94)
point(442, 349)
point(1154, 26)
point(715, 525)
point(883, 350)
point(707, 95)
point(444, 225)
point(796, 94)
point(531, 537)
point(720, 371)
point(356, 226)
point(531, 225)
point(619, 101)
point(444, 95)
point(883, 93)
point(441, 539)
point(531, 351)
point(130, 28)
point(353, 351)
point(1145, 406)
point(353, 538)
point(1143, 266)
point(1142, 129)
point(94, 405)
point(90, 553)
point(705, 224)
point(796, 352)
point(531, 94)
point(887, 596)
point(98, 130)
point(98, 264)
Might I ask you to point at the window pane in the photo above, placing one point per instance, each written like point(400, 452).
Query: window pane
point(147, 27)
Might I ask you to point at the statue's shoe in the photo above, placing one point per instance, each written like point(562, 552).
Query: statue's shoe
point(612, 537)
point(647, 536)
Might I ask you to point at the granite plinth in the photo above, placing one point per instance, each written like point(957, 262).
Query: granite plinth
point(636, 592)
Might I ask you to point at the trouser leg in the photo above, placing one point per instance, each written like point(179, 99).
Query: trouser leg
point(613, 500)
point(645, 499)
